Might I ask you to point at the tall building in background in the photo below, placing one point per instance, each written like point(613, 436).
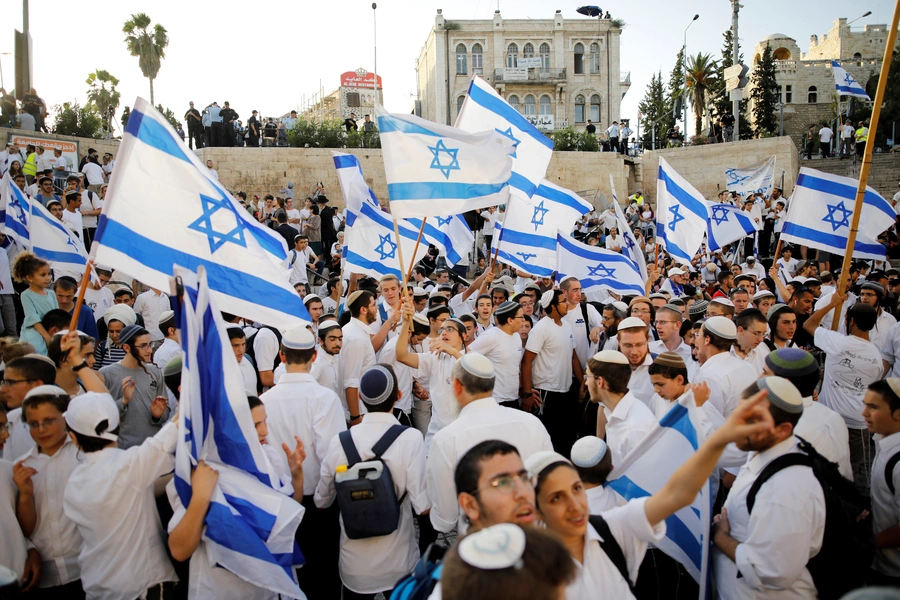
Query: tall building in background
point(356, 95)
point(557, 72)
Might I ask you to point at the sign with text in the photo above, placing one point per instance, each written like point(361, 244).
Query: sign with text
point(351, 79)
point(69, 148)
point(515, 74)
point(533, 62)
point(542, 122)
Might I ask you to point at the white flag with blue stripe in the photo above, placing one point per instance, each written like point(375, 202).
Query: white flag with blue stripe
point(681, 214)
point(252, 519)
point(353, 186)
point(754, 180)
point(647, 468)
point(728, 224)
point(34, 228)
point(372, 249)
point(527, 238)
point(435, 170)
point(845, 84)
point(485, 110)
point(630, 247)
point(450, 235)
point(597, 268)
point(164, 209)
point(821, 210)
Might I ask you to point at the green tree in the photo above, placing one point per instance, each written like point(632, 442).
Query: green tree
point(148, 45)
point(721, 100)
point(675, 92)
point(656, 112)
point(765, 96)
point(103, 95)
point(169, 115)
point(80, 121)
point(701, 74)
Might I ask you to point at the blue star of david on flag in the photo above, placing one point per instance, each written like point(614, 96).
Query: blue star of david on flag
point(443, 221)
point(508, 133)
point(601, 271)
point(832, 218)
point(538, 218)
point(676, 217)
point(204, 224)
point(848, 79)
point(628, 242)
point(720, 214)
point(525, 256)
point(436, 162)
point(386, 248)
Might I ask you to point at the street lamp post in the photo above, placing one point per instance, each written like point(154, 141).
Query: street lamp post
point(684, 94)
point(375, 51)
point(780, 118)
point(862, 16)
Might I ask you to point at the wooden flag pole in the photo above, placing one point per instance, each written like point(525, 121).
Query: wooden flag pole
point(85, 279)
point(867, 160)
point(415, 252)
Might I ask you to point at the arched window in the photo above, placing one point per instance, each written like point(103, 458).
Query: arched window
point(514, 102)
point(579, 108)
point(529, 105)
point(579, 58)
point(595, 108)
point(595, 58)
point(512, 56)
point(459, 102)
point(477, 59)
point(545, 105)
point(461, 60)
point(545, 55)
point(812, 95)
point(528, 50)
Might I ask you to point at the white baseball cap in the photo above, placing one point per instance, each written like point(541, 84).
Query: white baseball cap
point(675, 271)
point(88, 410)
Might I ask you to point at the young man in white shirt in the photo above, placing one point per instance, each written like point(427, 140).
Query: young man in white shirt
point(502, 345)
point(668, 328)
point(751, 331)
point(327, 368)
point(725, 374)
point(614, 241)
point(249, 375)
point(171, 346)
point(585, 334)
point(548, 367)
point(372, 565)
point(298, 406)
point(71, 215)
point(151, 305)
point(633, 341)
point(357, 353)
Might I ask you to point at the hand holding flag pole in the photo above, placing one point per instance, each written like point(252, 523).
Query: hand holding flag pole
point(867, 160)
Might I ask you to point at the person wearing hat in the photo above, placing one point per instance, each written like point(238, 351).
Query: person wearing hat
point(611, 315)
point(751, 327)
point(763, 553)
point(389, 355)
point(138, 388)
point(171, 346)
point(109, 351)
point(314, 307)
point(852, 363)
point(23, 374)
point(151, 305)
point(582, 317)
point(299, 407)
point(720, 306)
point(724, 373)
point(548, 366)
point(819, 425)
point(674, 283)
point(763, 300)
point(387, 317)
point(364, 571)
point(238, 340)
point(740, 299)
point(668, 329)
point(111, 501)
point(870, 293)
point(420, 300)
point(752, 267)
point(502, 345)
point(327, 368)
point(634, 343)
point(593, 461)
point(782, 326)
point(480, 419)
point(357, 353)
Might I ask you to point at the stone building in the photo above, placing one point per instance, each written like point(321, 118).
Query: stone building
point(557, 72)
point(356, 94)
point(805, 78)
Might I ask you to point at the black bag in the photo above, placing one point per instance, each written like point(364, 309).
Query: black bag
point(419, 584)
point(611, 547)
point(848, 545)
point(369, 505)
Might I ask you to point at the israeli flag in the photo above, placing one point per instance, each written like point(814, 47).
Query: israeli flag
point(527, 239)
point(844, 83)
point(755, 180)
point(728, 224)
point(597, 268)
point(34, 228)
point(630, 247)
point(821, 211)
point(163, 209)
point(250, 526)
point(450, 235)
point(647, 468)
point(485, 110)
point(372, 249)
point(435, 170)
point(681, 214)
point(353, 186)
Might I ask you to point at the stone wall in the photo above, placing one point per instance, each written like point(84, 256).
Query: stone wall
point(83, 143)
point(704, 166)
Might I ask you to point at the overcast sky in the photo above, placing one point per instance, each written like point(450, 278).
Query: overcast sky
point(270, 54)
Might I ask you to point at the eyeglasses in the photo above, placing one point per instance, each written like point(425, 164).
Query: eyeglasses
point(506, 483)
point(143, 346)
point(448, 330)
point(12, 382)
point(758, 334)
point(45, 424)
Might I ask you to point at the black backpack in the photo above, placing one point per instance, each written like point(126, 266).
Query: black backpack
point(252, 354)
point(848, 545)
point(611, 547)
point(889, 471)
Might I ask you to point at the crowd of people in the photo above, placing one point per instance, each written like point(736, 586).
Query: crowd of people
point(498, 404)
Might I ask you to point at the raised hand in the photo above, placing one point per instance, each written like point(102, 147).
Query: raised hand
point(127, 390)
point(203, 480)
point(22, 478)
point(701, 393)
point(158, 406)
point(295, 457)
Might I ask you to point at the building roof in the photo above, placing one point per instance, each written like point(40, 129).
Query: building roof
point(778, 36)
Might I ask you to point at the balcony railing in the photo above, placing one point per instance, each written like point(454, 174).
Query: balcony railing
point(529, 75)
point(625, 78)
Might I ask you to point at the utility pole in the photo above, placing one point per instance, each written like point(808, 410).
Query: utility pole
point(735, 58)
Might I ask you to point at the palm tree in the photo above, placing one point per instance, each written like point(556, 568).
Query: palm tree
point(149, 46)
point(104, 99)
point(701, 75)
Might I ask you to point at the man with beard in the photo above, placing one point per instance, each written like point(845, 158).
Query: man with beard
point(582, 317)
point(613, 313)
point(634, 343)
point(725, 374)
point(782, 322)
point(762, 551)
point(327, 368)
point(480, 419)
point(357, 354)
